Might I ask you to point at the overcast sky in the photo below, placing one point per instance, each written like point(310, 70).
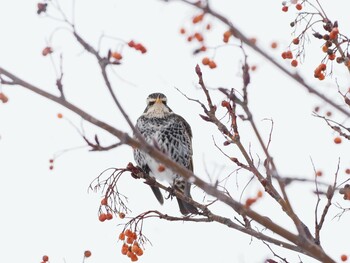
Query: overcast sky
point(51, 212)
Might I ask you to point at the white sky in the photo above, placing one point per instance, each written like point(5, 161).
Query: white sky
point(50, 212)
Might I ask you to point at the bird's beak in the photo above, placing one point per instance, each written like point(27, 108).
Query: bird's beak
point(158, 100)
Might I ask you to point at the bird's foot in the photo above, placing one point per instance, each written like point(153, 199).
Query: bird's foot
point(171, 191)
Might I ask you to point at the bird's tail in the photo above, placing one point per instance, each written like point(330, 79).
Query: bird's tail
point(186, 208)
point(158, 194)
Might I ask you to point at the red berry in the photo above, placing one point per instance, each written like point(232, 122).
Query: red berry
point(102, 217)
point(296, 41)
point(205, 61)
point(87, 253)
point(131, 43)
point(274, 45)
point(344, 257)
point(198, 18)
point(337, 140)
point(225, 103)
point(104, 201)
point(299, 6)
point(122, 236)
point(45, 258)
point(285, 8)
point(161, 168)
point(109, 216)
point(212, 64)
point(117, 55)
point(294, 63)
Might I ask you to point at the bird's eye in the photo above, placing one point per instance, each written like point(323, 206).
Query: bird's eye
point(164, 102)
point(151, 103)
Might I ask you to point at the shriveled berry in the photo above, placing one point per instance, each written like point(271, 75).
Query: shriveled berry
point(46, 51)
point(121, 215)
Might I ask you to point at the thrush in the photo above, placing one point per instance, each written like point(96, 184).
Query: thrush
point(172, 135)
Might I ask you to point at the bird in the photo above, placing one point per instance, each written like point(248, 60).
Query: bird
point(171, 134)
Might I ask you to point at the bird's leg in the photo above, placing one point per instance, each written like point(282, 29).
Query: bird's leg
point(171, 191)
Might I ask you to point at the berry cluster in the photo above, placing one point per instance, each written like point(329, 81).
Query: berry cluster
point(105, 216)
point(285, 6)
point(130, 247)
point(137, 46)
point(51, 161)
point(197, 35)
point(319, 71)
point(209, 62)
point(108, 215)
point(115, 57)
point(335, 45)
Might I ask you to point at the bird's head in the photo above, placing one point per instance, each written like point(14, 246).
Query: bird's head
point(157, 106)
